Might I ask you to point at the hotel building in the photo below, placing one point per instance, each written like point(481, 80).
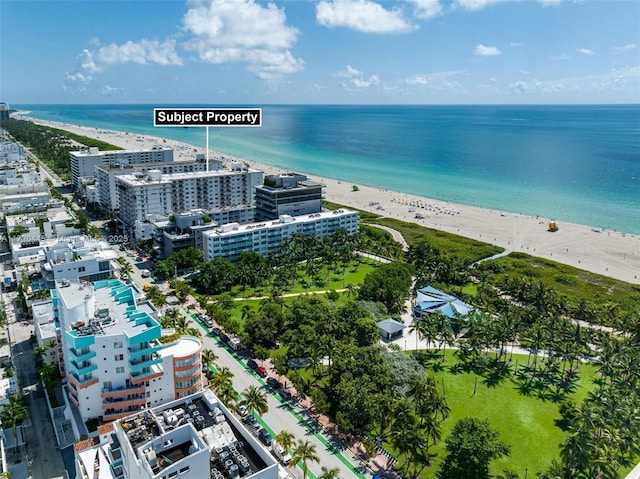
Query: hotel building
point(112, 358)
point(196, 437)
point(230, 240)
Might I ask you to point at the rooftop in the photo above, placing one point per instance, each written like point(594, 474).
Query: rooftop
point(166, 435)
point(234, 228)
point(110, 307)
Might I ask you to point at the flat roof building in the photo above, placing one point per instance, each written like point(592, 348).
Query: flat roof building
point(287, 194)
point(113, 360)
point(230, 240)
point(196, 437)
point(84, 161)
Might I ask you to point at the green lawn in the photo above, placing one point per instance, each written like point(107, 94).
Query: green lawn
point(526, 423)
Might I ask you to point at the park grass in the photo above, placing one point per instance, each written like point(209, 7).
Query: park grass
point(466, 249)
point(568, 281)
point(525, 422)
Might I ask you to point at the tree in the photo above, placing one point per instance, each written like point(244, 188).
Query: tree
point(14, 412)
point(285, 439)
point(254, 400)
point(329, 473)
point(125, 270)
point(305, 452)
point(470, 448)
point(221, 383)
point(156, 296)
point(389, 283)
point(208, 358)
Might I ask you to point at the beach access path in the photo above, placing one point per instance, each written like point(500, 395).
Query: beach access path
point(604, 252)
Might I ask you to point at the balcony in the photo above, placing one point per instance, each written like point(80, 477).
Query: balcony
point(112, 393)
point(82, 368)
point(143, 362)
point(138, 352)
point(80, 356)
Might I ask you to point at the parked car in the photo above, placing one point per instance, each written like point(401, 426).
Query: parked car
point(273, 382)
point(252, 364)
point(217, 331)
point(251, 421)
point(265, 437)
point(286, 394)
point(242, 410)
point(262, 372)
point(224, 338)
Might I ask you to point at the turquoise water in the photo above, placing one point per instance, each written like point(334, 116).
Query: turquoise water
point(578, 164)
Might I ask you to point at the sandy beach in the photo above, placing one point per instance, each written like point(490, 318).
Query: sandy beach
point(609, 253)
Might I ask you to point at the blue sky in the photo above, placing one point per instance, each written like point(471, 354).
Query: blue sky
point(328, 51)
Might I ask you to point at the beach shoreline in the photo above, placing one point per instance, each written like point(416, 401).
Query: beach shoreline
point(609, 253)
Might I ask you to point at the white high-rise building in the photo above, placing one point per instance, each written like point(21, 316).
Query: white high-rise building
point(113, 360)
point(225, 195)
point(106, 176)
point(83, 162)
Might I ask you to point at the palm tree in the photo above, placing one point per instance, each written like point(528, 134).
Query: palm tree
point(285, 439)
point(329, 473)
point(221, 384)
point(125, 269)
point(156, 297)
point(254, 400)
point(305, 452)
point(13, 413)
point(208, 358)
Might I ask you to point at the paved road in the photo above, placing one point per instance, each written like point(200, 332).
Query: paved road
point(41, 455)
point(282, 415)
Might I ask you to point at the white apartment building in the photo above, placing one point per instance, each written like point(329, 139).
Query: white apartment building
point(225, 195)
point(106, 176)
point(113, 360)
point(230, 240)
point(143, 196)
point(196, 437)
point(40, 230)
point(78, 259)
point(84, 161)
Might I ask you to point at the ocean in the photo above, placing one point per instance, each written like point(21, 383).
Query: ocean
point(573, 163)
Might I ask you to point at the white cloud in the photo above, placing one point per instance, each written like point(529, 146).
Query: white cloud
point(83, 72)
point(242, 31)
point(624, 48)
point(426, 8)
point(584, 51)
point(623, 79)
point(373, 80)
point(515, 44)
point(348, 72)
point(142, 52)
point(475, 4)
point(550, 3)
point(559, 58)
point(108, 90)
point(435, 82)
point(485, 51)
point(362, 16)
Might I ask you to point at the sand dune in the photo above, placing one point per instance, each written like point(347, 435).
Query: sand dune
point(609, 253)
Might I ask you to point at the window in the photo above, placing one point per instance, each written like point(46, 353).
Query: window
point(119, 370)
point(119, 357)
point(117, 344)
